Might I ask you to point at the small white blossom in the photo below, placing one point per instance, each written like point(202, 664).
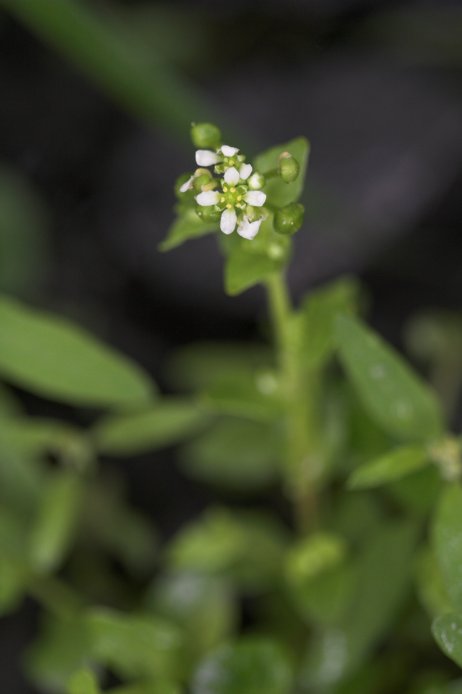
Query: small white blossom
point(233, 197)
point(187, 185)
point(248, 229)
point(205, 157)
point(228, 221)
point(208, 198)
point(224, 158)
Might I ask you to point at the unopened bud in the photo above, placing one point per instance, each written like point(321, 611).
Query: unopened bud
point(205, 135)
point(288, 168)
point(204, 179)
point(208, 214)
point(256, 181)
point(289, 219)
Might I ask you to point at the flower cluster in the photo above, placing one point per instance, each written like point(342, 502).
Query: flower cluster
point(234, 195)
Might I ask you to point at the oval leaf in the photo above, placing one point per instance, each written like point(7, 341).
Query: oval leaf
point(134, 646)
point(187, 226)
point(163, 425)
point(280, 193)
point(57, 521)
point(447, 631)
point(83, 682)
point(52, 357)
point(317, 318)
point(252, 665)
point(389, 467)
point(447, 542)
point(390, 391)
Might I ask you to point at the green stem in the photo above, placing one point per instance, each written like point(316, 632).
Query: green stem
point(299, 422)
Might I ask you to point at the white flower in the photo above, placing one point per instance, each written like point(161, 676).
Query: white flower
point(232, 176)
point(205, 157)
point(225, 156)
point(228, 221)
point(248, 229)
point(231, 195)
point(187, 185)
point(208, 198)
point(230, 199)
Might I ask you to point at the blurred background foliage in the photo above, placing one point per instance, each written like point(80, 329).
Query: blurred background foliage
point(96, 102)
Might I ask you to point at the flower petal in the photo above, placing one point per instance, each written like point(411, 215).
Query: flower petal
point(245, 171)
point(231, 176)
point(228, 151)
point(248, 229)
point(228, 221)
point(255, 197)
point(208, 198)
point(205, 157)
point(187, 185)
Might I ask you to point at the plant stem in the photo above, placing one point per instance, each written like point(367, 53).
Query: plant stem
point(299, 423)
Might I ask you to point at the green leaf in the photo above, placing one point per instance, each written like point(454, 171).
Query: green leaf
point(134, 646)
point(280, 193)
point(319, 581)
point(383, 572)
point(22, 481)
point(14, 569)
point(121, 530)
point(244, 270)
point(324, 599)
point(248, 264)
point(447, 630)
point(204, 364)
point(84, 682)
point(314, 555)
point(203, 606)
point(57, 521)
point(187, 226)
point(55, 359)
point(418, 493)
point(62, 648)
point(447, 542)
point(35, 437)
point(317, 318)
point(252, 665)
point(235, 454)
point(247, 548)
point(430, 586)
point(389, 467)
point(157, 687)
point(390, 391)
point(254, 397)
point(166, 424)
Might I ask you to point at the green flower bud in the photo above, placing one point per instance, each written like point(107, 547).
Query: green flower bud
point(289, 219)
point(208, 214)
point(205, 135)
point(288, 168)
point(256, 181)
point(202, 180)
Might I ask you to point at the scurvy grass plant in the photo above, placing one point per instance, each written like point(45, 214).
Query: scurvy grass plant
point(349, 567)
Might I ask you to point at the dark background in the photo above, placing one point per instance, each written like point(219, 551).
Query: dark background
point(374, 85)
